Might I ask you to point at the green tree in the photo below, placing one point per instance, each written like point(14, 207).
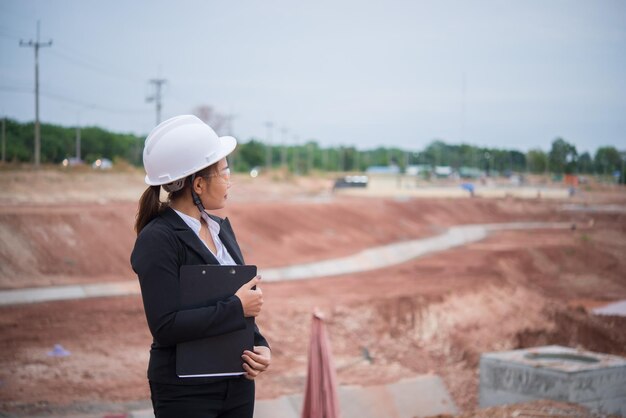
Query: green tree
point(537, 161)
point(562, 157)
point(607, 160)
point(59, 142)
point(250, 154)
point(435, 153)
point(585, 163)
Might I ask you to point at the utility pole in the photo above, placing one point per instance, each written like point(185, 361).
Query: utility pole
point(622, 177)
point(77, 143)
point(463, 94)
point(229, 132)
point(341, 157)
point(268, 146)
point(309, 158)
point(283, 151)
point(296, 158)
point(4, 139)
point(36, 45)
point(158, 83)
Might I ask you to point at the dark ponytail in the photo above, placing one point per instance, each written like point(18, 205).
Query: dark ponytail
point(150, 206)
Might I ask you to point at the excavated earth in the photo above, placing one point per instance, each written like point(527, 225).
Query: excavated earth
point(434, 314)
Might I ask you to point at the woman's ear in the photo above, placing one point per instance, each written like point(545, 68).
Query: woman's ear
point(197, 184)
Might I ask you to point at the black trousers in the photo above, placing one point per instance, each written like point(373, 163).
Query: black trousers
point(227, 398)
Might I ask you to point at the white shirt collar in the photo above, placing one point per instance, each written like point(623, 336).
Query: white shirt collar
point(195, 224)
point(222, 256)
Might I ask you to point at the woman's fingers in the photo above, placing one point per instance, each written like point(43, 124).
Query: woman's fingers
point(259, 358)
point(250, 372)
point(254, 363)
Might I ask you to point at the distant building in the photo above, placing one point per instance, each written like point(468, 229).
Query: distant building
point(418, 169)
point(470, 172)
point(383, 169)
point(443, 171)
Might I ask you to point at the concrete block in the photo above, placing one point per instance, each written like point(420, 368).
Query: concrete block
point(608, 406)
point(595, 380)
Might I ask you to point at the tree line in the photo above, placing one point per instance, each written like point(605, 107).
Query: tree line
point(59, 142)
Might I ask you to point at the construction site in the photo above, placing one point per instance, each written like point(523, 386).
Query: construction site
point(506, 267)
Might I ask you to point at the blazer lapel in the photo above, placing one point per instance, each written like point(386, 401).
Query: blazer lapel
point(189, 237)
point(227, 236)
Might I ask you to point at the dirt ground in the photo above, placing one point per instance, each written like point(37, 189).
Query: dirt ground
point(434, 314)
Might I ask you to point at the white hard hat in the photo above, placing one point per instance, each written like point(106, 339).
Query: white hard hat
point(181, 146)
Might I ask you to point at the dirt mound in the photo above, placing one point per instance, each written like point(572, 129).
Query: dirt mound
point(434, 314)
point(60, 245)
point(78, 243)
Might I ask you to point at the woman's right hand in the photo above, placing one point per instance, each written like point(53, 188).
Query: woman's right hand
point(251, 300)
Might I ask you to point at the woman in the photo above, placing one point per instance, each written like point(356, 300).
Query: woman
point(187, 159)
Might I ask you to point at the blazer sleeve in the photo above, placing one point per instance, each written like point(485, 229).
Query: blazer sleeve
point(156, 259)
point(260, 339)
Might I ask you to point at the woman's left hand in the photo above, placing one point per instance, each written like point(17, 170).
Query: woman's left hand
point(256, 362)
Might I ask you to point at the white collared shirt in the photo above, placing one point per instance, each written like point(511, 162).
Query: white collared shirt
point(223, 257)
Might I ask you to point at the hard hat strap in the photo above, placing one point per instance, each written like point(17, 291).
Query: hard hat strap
point(195, 197)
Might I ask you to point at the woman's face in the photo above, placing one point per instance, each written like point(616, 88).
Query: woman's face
point(215, 187)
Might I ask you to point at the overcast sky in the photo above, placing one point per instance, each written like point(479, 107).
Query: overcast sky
point(513, 74)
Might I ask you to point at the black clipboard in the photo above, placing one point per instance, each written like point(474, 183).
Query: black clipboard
point(204, 285)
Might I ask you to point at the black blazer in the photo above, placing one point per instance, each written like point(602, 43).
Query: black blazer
point(164, 245)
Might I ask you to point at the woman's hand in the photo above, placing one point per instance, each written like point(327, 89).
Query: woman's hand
point(251, 300)
point(256, 362)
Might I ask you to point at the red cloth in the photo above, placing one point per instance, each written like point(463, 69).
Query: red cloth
point(320, 396)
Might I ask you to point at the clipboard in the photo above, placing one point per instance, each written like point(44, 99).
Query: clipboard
point(220, 355)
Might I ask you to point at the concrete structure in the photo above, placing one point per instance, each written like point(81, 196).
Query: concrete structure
point(596, 381)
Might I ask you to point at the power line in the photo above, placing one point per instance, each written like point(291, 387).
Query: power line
point(36, 45)
point(90, 105)
point(16, 89)
point(72, 101)
point(81, 59)
point(19, 15)
point(95, 61)
point(8, 36)
point(88, 65)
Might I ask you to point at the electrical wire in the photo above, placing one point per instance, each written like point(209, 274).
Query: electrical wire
point(72, 101)
point(5, 34)
point(88, 65)
point(98, 64)
point(75, 57)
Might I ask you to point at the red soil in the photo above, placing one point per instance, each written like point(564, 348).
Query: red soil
point(434, 314)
